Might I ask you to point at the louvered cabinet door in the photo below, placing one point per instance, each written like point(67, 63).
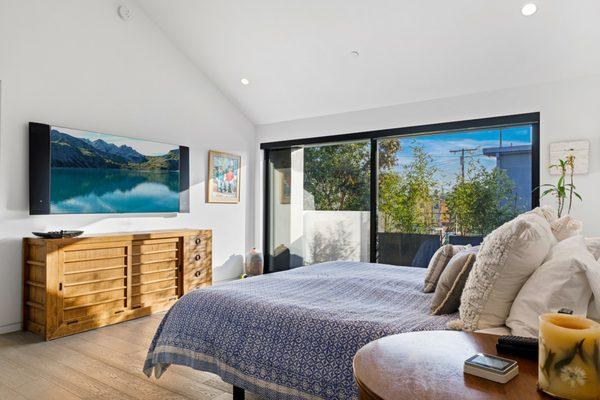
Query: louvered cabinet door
point(155, 272)
point(92, 284)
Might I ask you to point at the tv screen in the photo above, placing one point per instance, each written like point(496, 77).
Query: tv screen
point(92, 173)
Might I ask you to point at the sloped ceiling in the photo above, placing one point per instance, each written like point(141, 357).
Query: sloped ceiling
point(296, 53)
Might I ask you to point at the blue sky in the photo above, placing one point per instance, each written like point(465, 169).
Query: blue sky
point(439, 146)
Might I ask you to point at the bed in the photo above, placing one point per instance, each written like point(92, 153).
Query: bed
point(292, 335)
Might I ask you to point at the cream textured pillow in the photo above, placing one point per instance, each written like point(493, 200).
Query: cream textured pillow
point(437, 264)
point(548, 212)
point(561, 281)
point(507, 258)
point(452, 282)
point(566, 227)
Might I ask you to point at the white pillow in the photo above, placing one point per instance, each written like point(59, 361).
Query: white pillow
point(593, 245)
point(565, 227)
point(507, 258)
point(560, 282)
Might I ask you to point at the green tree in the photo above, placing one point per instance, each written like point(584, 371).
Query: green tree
point(338, 176)
point(406, 199)
point(482, 201)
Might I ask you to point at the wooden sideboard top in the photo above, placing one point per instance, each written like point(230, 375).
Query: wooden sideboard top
point(118, 236)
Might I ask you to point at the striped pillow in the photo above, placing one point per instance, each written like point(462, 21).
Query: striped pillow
point(446, 299)
point(437, 264)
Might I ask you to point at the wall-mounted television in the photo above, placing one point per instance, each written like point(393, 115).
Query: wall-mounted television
point(74, 171)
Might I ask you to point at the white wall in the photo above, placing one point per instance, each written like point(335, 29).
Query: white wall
point(569, 110)
point(75, 63)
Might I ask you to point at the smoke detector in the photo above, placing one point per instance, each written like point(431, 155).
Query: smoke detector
point(124, 12)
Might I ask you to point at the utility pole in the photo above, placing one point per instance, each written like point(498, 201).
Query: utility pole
point(462, 158)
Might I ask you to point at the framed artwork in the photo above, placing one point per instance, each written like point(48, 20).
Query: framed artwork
point(223, 177)
point(285, 186)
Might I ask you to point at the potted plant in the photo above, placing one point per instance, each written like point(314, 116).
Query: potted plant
point(563, 191)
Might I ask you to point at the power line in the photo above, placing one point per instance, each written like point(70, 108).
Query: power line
point(462, 158)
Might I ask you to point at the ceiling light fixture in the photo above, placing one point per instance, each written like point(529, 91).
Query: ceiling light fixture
point(529, 9)
point(245, 81)
point(354, 53)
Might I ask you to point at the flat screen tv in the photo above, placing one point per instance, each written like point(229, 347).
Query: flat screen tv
point(75, 171)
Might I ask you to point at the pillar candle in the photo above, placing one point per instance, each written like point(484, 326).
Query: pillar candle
point(569, 357)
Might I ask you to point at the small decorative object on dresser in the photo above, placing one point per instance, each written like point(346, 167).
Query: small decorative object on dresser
point(223, 177)
point(254, 263)
point(569, 363)
point(58, 234)
point(75, 284)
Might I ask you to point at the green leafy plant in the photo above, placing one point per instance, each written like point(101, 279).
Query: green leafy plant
point(407, 197)
point(563, 191)
point(481, 201)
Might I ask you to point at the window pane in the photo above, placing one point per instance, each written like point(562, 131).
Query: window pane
point(453, 187)
point(319, 204)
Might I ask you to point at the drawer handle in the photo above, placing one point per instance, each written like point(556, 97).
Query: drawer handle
point(72, 322)
point(119, 311)
point(198, 274)
point(197, 241)
point(197, 257)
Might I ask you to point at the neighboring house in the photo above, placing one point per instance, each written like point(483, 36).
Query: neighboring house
point(516, 161)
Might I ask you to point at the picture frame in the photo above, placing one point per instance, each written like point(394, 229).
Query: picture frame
point(224, 177)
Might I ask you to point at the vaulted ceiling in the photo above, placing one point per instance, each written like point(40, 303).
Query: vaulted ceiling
point(297, 53)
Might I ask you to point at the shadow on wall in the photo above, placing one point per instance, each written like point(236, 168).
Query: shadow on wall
point(229, 269)
point(10, 270)
point(335, 244)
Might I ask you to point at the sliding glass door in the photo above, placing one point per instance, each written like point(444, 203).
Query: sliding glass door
point(318, 204)
point(396, 196)
point(449, 187)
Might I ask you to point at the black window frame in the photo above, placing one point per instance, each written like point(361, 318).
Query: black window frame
point(532, 119)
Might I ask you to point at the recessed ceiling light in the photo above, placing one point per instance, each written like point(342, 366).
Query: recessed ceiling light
point(245, 81)
point(529, 9)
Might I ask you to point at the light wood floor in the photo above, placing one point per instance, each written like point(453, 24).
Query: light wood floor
point(102, 364)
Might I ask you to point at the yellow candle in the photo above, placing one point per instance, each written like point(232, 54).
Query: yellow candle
point(569, 359)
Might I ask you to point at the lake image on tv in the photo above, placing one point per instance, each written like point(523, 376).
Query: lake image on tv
point(99, 173)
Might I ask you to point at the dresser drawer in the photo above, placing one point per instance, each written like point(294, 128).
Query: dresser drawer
point(200, 241)
point(197, 271)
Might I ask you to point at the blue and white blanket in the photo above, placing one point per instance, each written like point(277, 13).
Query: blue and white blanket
point(292, 335)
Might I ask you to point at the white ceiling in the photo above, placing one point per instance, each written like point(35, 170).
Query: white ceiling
point(296, 53)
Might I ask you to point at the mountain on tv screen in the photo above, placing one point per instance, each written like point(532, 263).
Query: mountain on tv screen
point(98, 173)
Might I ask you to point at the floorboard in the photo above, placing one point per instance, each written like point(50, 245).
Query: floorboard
point(101, 364)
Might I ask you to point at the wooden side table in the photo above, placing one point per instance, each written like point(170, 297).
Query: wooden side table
point(429, 365)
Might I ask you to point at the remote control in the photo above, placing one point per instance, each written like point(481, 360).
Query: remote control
point(519, 346)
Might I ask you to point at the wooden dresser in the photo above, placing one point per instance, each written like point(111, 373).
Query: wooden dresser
point(77, 284)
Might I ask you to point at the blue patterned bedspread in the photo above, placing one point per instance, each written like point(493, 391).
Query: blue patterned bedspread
point(292, 335)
